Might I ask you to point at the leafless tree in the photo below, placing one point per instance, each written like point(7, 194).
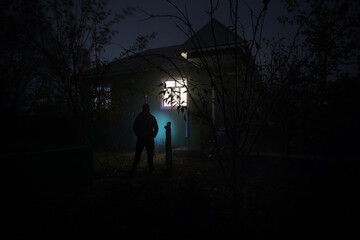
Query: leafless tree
point(66, 39)
point(242, 80)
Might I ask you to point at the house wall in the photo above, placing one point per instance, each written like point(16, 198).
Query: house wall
point(129, 93)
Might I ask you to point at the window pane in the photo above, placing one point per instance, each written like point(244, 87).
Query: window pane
point(183, 97)
point(166, 100)
point(180, 83)
point(101, 97)
point(170, 84)
point(177, 91)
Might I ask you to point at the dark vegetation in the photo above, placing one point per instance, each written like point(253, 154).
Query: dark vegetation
point(296, 199)
point(277, 197)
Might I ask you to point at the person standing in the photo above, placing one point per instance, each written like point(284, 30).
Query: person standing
point(145, 128)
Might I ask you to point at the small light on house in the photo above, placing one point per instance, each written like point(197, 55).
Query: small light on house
point(184, 55)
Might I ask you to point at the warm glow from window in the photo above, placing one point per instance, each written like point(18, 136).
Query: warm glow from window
point(175, 94)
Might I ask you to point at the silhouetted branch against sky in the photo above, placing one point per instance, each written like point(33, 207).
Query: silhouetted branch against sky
point(198, 14)
point(257, 21)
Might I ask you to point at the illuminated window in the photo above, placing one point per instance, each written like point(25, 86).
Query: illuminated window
point(101, 98)
point(175, 94)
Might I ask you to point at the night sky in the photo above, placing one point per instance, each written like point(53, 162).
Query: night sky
point(168, 34)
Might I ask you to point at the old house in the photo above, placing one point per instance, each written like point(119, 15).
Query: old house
point(151, 77)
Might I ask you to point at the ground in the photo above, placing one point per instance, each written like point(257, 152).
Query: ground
point(292, 199)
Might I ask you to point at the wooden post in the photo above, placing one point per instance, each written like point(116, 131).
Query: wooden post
point(168, 148)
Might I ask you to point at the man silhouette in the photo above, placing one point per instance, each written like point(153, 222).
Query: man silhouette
point(145, 128)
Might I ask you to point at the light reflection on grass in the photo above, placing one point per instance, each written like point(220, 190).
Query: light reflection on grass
point(112, 164)
point(191, 173)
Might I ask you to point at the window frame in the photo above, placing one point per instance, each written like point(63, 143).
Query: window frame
point(178, 86)
point(104, 92)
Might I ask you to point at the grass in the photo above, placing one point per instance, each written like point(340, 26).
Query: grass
point(186, 167)
point(296, 198)
point(191, 201)
point(293, 199)
point(189, 170)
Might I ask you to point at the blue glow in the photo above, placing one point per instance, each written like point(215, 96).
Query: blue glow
point(162, 119)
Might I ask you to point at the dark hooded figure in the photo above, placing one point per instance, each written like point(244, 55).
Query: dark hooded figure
point(145, 128)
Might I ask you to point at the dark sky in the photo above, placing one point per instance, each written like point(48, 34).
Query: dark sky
point(168, 34)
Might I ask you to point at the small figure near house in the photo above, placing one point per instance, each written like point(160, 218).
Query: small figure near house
point(145, 128)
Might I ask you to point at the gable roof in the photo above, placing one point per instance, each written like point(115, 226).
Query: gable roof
point(142, 61)
point(160, 56)
point(213, 33)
